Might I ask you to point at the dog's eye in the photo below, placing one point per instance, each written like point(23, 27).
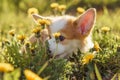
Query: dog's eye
point(61, 38)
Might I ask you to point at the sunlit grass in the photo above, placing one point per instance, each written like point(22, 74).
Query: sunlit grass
point(103, 61)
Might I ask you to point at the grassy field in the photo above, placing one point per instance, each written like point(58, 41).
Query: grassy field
point(100, 63)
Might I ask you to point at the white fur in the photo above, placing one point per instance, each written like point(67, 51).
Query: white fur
point(59, 22)
point(72, 46)
point(89, 44)
point(65, 50)
point(54, 47)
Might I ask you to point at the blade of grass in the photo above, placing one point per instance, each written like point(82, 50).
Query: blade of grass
point(46, 78)
point(113, 78)
point(42, 68)
point(97, 72)
point(118, 76)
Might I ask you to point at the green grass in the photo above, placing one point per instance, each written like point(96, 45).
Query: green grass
point(105, 65)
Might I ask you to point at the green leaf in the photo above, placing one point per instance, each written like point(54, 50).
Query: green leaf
point(97, 72)
point(118, 76)
point(7, 76)
point(16, 74)
point(43, 67)
point(114, 77)
point(92, 75)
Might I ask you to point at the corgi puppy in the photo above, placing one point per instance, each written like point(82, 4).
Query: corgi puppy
point(75, 33)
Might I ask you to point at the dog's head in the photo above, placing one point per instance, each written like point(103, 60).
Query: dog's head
point(75, 33)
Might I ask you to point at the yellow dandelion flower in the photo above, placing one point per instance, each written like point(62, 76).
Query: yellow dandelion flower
point(62, 7)
point(87, 58)
point(105, 29)
point(80, 10)
point(31, 75)
point(57, 34)
point(6, 40)
point(27, 44)
point(21, 37)
point(43, 22)
point(37, 30)
point(32, 49)
point(6, 67)
point(32, 11)
point(47, 22)
point(54, 5)
point(12, 32)
point(96, 46)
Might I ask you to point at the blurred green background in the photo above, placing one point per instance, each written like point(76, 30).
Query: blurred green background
point(43, 5)
point(13, 13)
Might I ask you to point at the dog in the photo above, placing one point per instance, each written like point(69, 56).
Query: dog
point(75, 33)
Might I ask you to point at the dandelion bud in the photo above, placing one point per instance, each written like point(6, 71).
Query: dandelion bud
point(31, 75)
point(80, 10)
point(62, 7)
point(54, 5)
point(27, 44)
point(96, 46)
point(37, 31)
point(43, 22)
point(105, 29)
point(32, 11)
point(21, 37)
point(6, 67)
point(57, 35)
point(12, 32)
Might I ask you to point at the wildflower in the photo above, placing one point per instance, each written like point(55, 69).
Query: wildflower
point(32, 49)
point(57, 36)
point(96, 46)
point(32, 11)
point(105, 29)
point(21, 37)
point(43, 22)
point(54, 5)
point(37, 30)
point(87, 58)
point(31, 75)
point(27, 44)
point(12, 32)
point(6, 67)
point(61, 7)
point(80, 10)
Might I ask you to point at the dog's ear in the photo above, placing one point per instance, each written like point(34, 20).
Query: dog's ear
point(36, 17)
point(85, 22)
